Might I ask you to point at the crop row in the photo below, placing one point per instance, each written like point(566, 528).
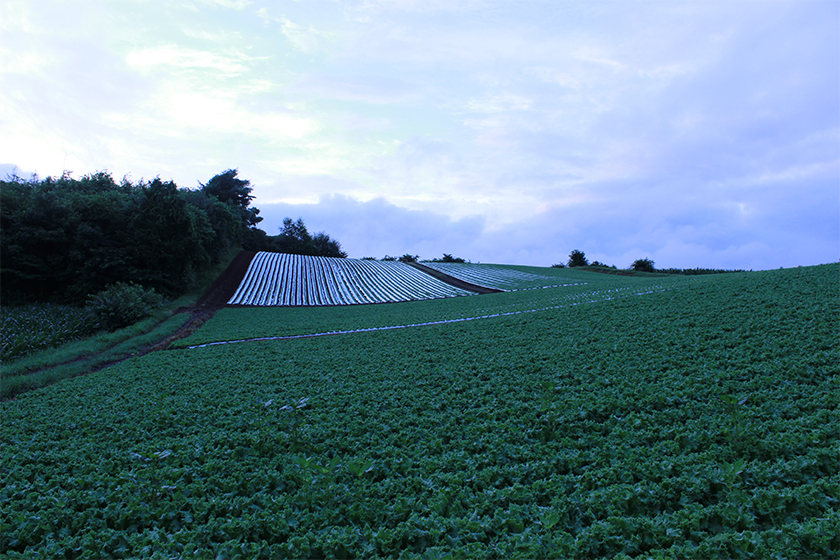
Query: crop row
point(266, 322)
point(699, 422)
point(278, 279)
point(593, 297)
point(26, 329)
point(499, 277)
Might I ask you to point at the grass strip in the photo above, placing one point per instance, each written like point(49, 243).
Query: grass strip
point(88, 355)
point(100, 350)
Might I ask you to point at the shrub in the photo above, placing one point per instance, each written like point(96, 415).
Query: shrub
point(643, 265)
point(447, 258)
point(122, 304)
point(577, 258)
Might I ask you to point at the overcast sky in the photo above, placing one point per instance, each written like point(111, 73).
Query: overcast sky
point(693, 133)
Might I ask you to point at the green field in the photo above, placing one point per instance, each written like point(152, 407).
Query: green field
point(687, 417)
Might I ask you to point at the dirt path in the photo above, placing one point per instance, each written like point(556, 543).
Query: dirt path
point(216, 297)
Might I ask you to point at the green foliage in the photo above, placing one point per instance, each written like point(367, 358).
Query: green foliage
point(600, 264)
point(295, 239)
point(491, 438)
point(643, 265)
point(577, 258)
point(327, 247)
point(226, 188)
point(81, 357)
point(447, 258)
point(406, 258)
point(171, 240)
point(232, 324)
point(697, 271)
point(122, 304)
point(27, 329)
point(64, 239)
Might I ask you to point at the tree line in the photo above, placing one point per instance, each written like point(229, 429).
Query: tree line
point(63, 239)
point(578, 258)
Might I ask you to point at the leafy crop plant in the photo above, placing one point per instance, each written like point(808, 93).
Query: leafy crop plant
point(430, 442)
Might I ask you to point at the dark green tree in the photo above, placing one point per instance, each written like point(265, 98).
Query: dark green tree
point(326, 247)
point(229, 225)
point(295, 239)
point(447, 258)
point(643, 265)
point(227, 188)
point(62, 239)
point(171, 239)
point(577, 258)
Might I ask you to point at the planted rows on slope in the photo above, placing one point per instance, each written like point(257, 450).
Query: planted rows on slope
point(499, 277)
point(266, 323)
point(279, 279)
point(610, 433)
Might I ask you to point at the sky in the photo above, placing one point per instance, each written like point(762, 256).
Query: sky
point(696, 134)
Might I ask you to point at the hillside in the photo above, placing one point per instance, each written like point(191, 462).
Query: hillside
point(612, 417)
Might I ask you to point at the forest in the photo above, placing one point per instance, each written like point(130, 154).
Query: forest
point(64, 239)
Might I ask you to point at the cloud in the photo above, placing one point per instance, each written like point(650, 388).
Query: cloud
point(694, 133)
point(377, 227)
point(698, 232)
point(175, 58)
point(376, 89)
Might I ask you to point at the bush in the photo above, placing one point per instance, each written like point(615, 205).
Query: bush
point(122, 304)
point(577, 258)
point(447, 258)
point(643, 265)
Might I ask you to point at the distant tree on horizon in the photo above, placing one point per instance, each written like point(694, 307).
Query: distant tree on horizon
point(447, 258)
point(577, 258)
point(294, 238)
point(643, 265)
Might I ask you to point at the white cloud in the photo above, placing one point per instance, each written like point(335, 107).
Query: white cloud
point(500, 102)
point(176, 58)
point(215, 36)
point(305, 39)
point(516, 132)
point(231, 4)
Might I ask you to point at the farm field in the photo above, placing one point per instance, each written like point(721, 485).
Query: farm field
point(624, 418)
point(31, 328)
point(233, 324)
point(500, 277)
point(279, 279)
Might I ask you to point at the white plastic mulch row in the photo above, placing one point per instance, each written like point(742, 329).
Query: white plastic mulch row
point(279, 279)
point(499, 278)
